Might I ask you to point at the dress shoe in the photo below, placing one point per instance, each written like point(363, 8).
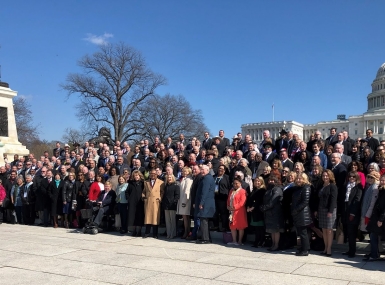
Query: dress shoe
point(156, 237)
point(322, 253)
point(370, 259)
point(328, 254)
point(138, 234)
point(302, 253)
point(134, 234)
point(346, 253)
point(202, 242)
point(191, 238)
point(146, 236)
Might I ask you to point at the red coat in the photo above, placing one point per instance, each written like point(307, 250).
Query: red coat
point(2, 193)
point(239, 214)
point(93, 194)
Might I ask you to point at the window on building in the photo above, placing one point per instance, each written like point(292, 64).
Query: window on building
point(355, 132)
point(380, 138)
point(355, 124)
point(381, 131)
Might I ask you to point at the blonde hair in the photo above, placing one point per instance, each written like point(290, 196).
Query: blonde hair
point(260, 179)
point(172, 178)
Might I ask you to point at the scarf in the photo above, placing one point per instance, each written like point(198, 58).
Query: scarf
point(349, 188)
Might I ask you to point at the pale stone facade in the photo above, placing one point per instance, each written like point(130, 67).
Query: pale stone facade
point(356, 125)
point(10, 145)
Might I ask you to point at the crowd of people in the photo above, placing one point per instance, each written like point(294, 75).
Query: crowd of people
point(276, 190)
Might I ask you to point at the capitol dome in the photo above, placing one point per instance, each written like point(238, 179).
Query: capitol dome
point(381, 72)
point(376, 99)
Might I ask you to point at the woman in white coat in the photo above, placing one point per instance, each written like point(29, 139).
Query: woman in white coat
point(184, 203)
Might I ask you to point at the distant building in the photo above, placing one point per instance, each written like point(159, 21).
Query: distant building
point(373, 119)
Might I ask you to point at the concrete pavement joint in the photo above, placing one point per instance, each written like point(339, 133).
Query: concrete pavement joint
point(51, 273)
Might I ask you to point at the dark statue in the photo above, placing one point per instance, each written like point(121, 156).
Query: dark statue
point(104, 137)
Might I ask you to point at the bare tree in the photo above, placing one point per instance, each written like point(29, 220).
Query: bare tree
point(115, 82)
point(170, 115)
point(72, 135)
point(27, 132)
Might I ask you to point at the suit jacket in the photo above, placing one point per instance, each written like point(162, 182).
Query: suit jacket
point(205, 197)
point(270, 158)
point(330, 140)
point(281, 143)
point(353, 206)
point(373, 143)
point(120, 168)
point(346, 159)
point(206, 144)
point(288, 163)
point(109, 202)
point(215, 164)
point(76, 164)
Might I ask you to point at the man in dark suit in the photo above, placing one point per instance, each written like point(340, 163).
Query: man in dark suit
point(346, 144)
point(317, 138)
point(281, 142)
point(169, 144)
point(206, 143)
point(155, 145)
point(285, 160)
point(244, 146)
point(302, 148)
point(106, 202)
point(120, 165)
point(57, 149)
point(372, 142)
point(197, 176)
point(258, 165)
point(330, 140)
point(266, 139)
point(103, 159)
point(339, 171)
point(348, 139)
point(268, 154)
point(77, 162)
point(225, 142)
point(214, 161)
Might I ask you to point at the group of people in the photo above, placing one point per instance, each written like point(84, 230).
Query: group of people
point(277, 190)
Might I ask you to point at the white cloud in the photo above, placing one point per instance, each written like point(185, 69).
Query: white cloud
point(98, 40)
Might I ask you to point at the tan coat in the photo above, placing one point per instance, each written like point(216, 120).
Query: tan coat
point(152, 199)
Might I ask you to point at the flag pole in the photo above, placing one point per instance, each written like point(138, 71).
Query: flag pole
point(273, 112)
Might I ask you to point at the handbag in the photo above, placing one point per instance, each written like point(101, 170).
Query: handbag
point(6, 203)
point(340, 233)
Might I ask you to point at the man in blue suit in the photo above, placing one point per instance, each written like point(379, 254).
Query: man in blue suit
point(205, 203)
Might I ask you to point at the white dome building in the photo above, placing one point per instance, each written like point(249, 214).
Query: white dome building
point(373, 119)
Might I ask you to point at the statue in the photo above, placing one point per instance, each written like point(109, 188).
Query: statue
point(104, 137)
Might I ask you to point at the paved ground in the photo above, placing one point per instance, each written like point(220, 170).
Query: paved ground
point(36, 255)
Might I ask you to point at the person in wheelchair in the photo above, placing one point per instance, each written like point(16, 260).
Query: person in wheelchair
point(105, 203)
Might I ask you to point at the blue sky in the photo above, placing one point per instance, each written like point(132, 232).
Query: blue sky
point(231, 59)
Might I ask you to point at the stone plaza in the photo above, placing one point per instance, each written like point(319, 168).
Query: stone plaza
point(38, 255)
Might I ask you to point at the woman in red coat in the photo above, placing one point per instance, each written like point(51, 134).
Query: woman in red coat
point(236, 204)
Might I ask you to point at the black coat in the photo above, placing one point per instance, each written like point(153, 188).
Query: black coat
point(135, 203)
point(378, 215)
point(300, 209)
point(171, 196)
point(223, 185)
point(69, 191)
point(40, 185)
point(353, 206)
point(272, 208)
point(82, 189)
point(55, 195)
point(193, 192)
point(328, 198)
point(31, 197)
point(255, 199)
